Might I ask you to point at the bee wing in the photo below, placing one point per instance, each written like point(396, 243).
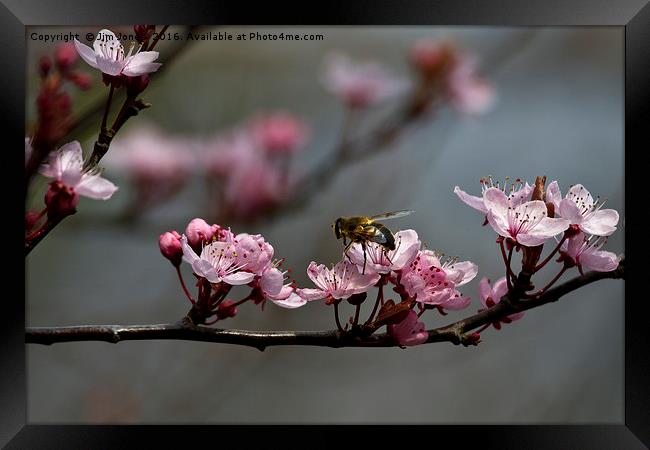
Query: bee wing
point(392, 215)
point(372, 233)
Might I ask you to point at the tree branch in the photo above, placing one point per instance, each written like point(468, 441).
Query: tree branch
point(188, 331)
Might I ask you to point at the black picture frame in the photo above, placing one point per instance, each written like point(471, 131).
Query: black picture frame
point(632, 15)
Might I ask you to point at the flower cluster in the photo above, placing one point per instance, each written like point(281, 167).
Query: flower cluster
point(448, 73)
point(360, 84)
point(157, 165)
point(418, 276)
point(512, 212)
point(220, 260)
point(54, 104)
point(527, 216)
point(249, 168)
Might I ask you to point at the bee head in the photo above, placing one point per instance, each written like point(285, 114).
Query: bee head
point(337, 228)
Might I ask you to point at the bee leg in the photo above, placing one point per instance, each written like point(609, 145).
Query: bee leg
point(363, 245)
point(345, 251)
point(386, 255)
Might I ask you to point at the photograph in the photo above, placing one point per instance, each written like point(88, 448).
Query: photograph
point(324, 225)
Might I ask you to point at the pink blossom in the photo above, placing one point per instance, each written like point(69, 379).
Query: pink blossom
point(469, 94)
point(360, 85)
point(108, 56)
point(409, 331)
point(434, 283)
point(279, 133)
point(65, 165)
point(340, 282)
point(581, 210)
point(274, 289)
point(526, 224)
point(586, 254)
point(217, 263)
point(491, 295)
point(379, 260)
point(253, 252)
point(516, 193)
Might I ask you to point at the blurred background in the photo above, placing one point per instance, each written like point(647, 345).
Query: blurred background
point(557, 111)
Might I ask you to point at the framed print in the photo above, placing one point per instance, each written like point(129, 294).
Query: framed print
point(359, 215)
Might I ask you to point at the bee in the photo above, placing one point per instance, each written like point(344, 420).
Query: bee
point(363, 229)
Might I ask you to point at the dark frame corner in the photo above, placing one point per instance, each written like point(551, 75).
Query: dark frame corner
point(633, 15)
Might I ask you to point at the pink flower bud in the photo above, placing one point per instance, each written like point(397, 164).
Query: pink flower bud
point(170, 247)
point(44, 65)
point(226, 310)
point(198, 231)
point(65, 55)
point(61, 200)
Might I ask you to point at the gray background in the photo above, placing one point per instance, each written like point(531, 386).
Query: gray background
point(559, 113)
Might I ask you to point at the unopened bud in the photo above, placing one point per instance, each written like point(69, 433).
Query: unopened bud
point(471, 339)
point(538, 191)
point(61, 200)
point(226, 310)
point(198, 231)
point(170, 247)
point(135, 85)
point(357, 299)
point(143, 32)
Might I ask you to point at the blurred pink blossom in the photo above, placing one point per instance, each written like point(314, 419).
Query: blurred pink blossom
point(432, 57)
point(469, 93)
point(453, 72)
point(157, 164)
point(279, 133)
point(253, 189)
point(362, 84)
